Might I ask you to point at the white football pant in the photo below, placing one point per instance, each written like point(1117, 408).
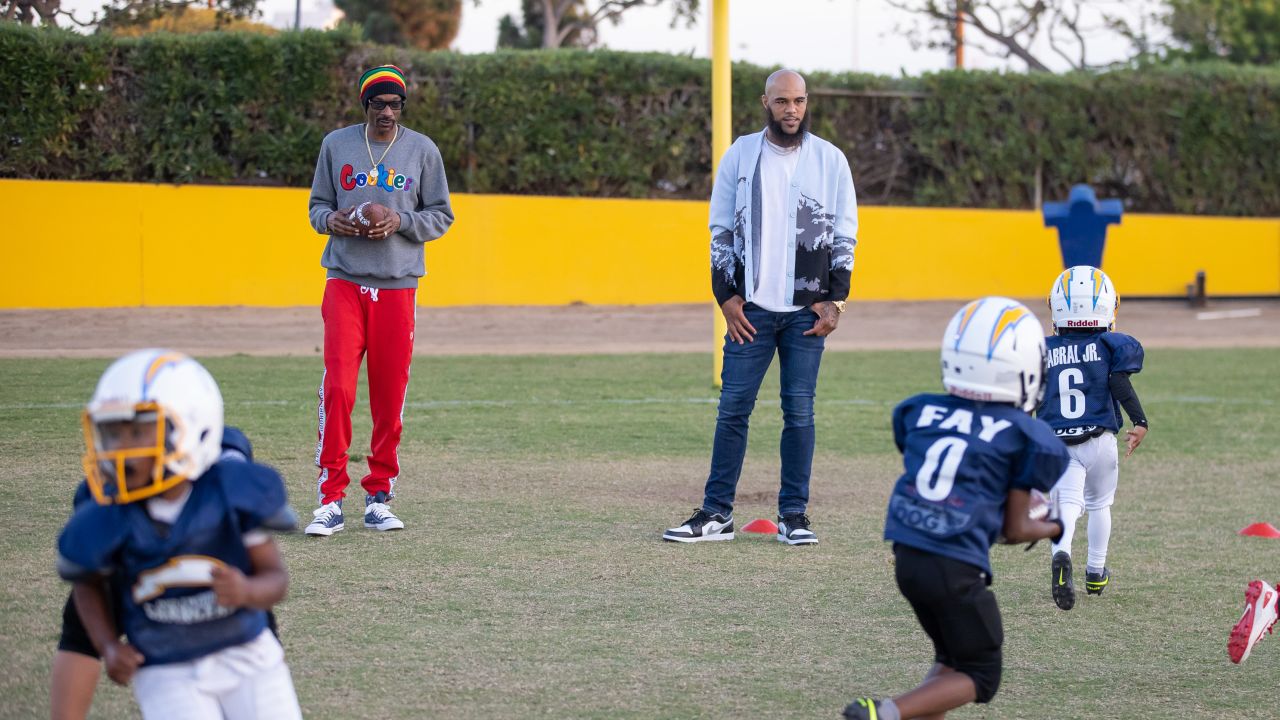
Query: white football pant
point(247, 681)
point(1089, 483)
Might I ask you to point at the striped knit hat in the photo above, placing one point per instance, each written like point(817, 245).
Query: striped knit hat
point(382, 80)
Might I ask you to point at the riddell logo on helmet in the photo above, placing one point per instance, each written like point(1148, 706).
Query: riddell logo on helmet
point(970, 394)
point(1084, 323)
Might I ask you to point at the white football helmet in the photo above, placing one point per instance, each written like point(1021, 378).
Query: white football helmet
point(155, 420)
point(1083, 297)
point(994, 351)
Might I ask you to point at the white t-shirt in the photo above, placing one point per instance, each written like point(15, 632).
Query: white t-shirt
point(777, 165)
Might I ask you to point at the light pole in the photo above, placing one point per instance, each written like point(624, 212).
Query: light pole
point(721, 111)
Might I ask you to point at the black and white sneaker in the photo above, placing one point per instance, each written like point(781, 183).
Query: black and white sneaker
point(794, 530)
point(1095, 583)
point(327, 519)
point(863, 709)
point(1064, 591)
point(702, 527)
point(378, 515)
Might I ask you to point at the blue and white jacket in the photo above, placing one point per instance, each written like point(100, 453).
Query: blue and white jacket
point(822, 237)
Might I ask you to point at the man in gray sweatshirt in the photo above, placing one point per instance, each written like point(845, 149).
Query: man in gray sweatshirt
point(379, 193)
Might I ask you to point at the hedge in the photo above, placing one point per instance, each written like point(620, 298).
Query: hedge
point(241, 108)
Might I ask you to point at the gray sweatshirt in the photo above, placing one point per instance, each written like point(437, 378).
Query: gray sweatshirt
point(410, 180)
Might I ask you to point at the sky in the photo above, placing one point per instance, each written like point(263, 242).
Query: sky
point(833, 35)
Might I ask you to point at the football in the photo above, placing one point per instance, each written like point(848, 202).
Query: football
point(1038, 508)
point(368, 214)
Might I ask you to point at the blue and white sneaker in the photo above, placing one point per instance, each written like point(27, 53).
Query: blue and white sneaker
point(327, 519)
point(702, 527)
point(378, 515)
point(794, 529)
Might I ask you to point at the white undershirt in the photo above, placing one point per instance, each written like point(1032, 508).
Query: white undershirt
point(777, 166)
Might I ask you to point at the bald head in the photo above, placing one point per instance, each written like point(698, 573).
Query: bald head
point(787, 82)
point(785, 100)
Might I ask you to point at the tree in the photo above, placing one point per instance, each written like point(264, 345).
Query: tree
point(193, 20)
point(1032, 31)
point(125, 13)
point(1239, 31)
point(527, 35)
point(27, 11)
point(566, 23)
point(423, 24)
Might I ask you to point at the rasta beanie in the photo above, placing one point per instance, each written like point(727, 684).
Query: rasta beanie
point(383, 80)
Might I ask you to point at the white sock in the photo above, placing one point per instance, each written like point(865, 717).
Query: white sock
point(1099, 536)
point(888, 710)
point(1070, 514)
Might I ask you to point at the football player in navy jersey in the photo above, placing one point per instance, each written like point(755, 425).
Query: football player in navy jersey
point(1087, 383)
point(972, 458)
point(183, 536)
point(73, 679)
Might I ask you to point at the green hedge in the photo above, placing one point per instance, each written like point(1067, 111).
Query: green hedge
point(240, 108)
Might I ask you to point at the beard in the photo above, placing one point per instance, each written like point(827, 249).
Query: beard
point(780, 136)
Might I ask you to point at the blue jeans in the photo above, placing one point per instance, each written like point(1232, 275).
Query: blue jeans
point(744, 368)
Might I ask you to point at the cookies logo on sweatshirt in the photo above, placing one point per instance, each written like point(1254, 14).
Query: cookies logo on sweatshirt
point(384, 178)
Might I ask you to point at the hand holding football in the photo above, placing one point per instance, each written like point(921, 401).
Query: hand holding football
point(367, 215)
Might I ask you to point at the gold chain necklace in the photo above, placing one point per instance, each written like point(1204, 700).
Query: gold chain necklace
point(373, 173)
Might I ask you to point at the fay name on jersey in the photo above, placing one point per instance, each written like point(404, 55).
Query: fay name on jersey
point(1077, 396)
point(961, 459)
point(164, 571)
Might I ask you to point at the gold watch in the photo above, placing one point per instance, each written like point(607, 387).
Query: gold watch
point(839, 305)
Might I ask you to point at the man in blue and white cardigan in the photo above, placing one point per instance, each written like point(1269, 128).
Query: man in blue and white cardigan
point(784, 221)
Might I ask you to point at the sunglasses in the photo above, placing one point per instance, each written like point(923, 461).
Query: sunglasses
point(381, 105)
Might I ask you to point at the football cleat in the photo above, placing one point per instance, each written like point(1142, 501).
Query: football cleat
point(1064, 594)
point(328, 519)
point(702, 527)
point(794, 529)
point(993, 350)
point(378, 515)
point(862, 709)
point(1258, 618)
point(1095, 583)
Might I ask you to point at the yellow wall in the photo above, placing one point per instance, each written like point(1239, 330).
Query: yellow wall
point(107, 244)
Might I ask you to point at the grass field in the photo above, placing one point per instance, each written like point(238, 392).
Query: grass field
point(531, 580)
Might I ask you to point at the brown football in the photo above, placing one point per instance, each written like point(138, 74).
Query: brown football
point(368, 214)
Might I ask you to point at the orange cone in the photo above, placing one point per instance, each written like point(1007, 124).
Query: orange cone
point(762, 526)
point(1261, 529)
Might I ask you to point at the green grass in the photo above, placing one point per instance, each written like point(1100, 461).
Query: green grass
point(531, 580)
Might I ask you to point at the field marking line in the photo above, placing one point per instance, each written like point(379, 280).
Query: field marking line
point(1229, 314)
point(448, 404)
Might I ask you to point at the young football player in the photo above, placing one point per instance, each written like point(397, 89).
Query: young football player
point(972, 458)
point(182, 536)
point(73, 678)
point(1260, 613)
point(1088, 382)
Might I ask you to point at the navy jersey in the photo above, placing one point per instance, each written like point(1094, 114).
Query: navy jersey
point(962, 457)
point(169, 610)
point(1077, 390)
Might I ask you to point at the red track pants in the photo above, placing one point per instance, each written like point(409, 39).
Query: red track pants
point(361, 320)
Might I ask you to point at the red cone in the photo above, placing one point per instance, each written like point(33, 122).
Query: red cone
point(1261, 529)
point(762, 526)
